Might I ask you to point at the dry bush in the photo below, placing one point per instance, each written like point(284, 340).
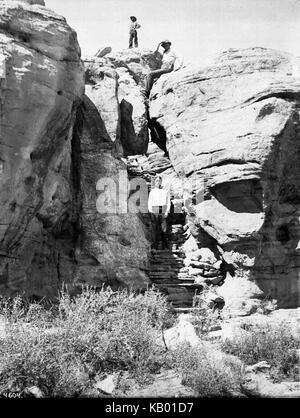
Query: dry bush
point(273, 343)
point(208, 374)
point(62, 350)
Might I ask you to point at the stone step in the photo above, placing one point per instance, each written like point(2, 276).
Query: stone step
point(202, 265)
point(173, 263)
point(166, 262)
point(186, 310)
point(167, 251)
point(163, 266)
point(171, 255)
point(174, 280)
point(182, 276)
point(211, 274)
point(164, 258)
point(185, 285)
point(162, 274)
point(167, 267)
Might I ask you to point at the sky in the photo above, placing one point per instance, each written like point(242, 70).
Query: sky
point(198, 29)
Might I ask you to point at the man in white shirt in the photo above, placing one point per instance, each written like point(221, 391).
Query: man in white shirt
point(159, 205)
point(170, 58)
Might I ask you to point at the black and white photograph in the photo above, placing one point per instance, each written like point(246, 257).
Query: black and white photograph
point(149, 202)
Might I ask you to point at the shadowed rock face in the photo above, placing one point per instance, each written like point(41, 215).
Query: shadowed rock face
point(235, 126)
point(114, 83)
point(41, 85)
point(111, 248)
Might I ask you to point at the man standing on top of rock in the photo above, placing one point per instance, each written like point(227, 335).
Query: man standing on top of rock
point(134, 26)
point(170, 57)
point(159, 204)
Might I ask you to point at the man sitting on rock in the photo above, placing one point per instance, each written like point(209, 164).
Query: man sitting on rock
point(159, 205)
point(168, 63)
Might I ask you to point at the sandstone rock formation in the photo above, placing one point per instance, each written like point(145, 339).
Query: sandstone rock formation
point(112, 247)
point(232, 132)
point(40, 2)
point(41, 88)
point(225, 139)
point(114, 85)
point(55, 147)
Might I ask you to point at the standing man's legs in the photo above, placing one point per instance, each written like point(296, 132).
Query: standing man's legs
point(164, 228)
point(131, 37)
point(136, 42)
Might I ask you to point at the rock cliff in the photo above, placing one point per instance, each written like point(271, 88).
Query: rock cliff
point(112, 248)
point(56, 145)
point(41, 86)
point(232, 133)
point(224, 138)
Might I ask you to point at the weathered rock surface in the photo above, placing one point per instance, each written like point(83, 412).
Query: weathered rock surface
point(40, 2)
point(258, 385)
point(102, 89)
point(56, 145)
point(114, 84)
point(134, 123)
point(167, 384)
point(182, 333)
point(113, 247)
point(239, 326)
point(232, 131)
point(39, 93)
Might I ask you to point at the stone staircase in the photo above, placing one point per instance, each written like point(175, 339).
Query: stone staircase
point(168, 272)
point(174, 272)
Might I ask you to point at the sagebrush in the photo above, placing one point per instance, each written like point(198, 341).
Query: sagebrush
point(274, 343)
point(63, 349)
point(207, 373)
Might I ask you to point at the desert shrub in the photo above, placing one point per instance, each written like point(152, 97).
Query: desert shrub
point(62, 350)
point(267, 306)
point(14, 310)
point(30, 357)
point(204, 317)
point(273, 343)
point(208, 374)
point(129, 325)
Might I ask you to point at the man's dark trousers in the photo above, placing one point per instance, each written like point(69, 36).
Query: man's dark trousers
point(154, 75)
point(133, 37)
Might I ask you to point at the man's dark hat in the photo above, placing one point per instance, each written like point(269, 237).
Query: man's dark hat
point(133, 17)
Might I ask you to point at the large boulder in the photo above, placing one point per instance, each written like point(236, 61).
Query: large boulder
point(134, 122)
point(232, 131)
point(102, 89)
point(114, 83)
point(41, 85)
